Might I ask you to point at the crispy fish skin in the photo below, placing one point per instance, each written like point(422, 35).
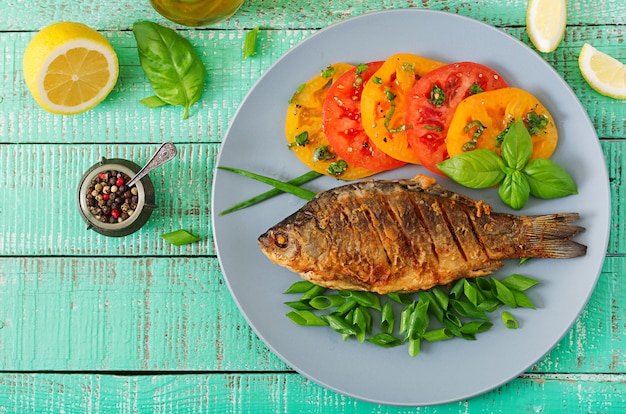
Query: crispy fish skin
point(409, 235)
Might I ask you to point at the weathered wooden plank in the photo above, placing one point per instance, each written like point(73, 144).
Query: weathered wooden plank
point(39, 177)
point(116, 14)
point(36, 179)
point(123, 314)
point(286, 393)
point(177, 314)
point(121, 118)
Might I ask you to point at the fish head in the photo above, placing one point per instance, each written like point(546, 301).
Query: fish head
point(280, 244)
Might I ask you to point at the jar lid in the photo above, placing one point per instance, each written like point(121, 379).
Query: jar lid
point(145, 198)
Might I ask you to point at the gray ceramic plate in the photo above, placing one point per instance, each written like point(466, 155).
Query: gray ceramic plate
point(445, 371)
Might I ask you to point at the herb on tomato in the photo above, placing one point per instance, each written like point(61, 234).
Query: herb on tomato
point(359, 71)
point(408, 67)
point(301, 139)
point(329, 72)
point(377, 80)
point(471, 144)
point(323, 153)
point(391, 97)
point(433, 128)
point(518, 176)
point(475, 89)
point(337, 168)
point(298, 90)
point(536, 122)
point(171, 64)
point(437, 95)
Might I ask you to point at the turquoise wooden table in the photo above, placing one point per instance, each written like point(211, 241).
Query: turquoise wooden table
point(96, 324)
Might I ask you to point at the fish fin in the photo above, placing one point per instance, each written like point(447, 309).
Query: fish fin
point(551, 235)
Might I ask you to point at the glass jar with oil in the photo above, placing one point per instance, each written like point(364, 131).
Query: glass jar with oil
point(196, 13)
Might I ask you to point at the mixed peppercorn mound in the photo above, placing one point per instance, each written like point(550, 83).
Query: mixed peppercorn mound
point(109, 199)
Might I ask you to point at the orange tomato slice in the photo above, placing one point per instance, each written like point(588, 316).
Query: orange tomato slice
point(384, 99)
point(303, 127)
point(496, 110)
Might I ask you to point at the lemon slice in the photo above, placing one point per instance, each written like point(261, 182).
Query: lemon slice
point(545, 23)
point(69, 68)
point(602, 72)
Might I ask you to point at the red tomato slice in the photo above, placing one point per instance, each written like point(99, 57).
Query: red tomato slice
point(341, 121)
point(433, 101)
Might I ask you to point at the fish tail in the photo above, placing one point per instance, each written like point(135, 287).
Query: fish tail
point(550, 236)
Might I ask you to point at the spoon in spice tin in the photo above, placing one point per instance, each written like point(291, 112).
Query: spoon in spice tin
point(163, 154)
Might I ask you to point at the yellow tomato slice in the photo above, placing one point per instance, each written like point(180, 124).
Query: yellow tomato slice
point(496, 110)
point(304, 119)
point(383, 103)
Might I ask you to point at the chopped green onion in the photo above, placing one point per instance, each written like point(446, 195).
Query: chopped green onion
point(180, 237)
point(300, 305)
point(509, 320)
point(385, 340)
point(387, 319)
point(281, 185)
point(475, 327)
point(300, 286)
point(437, 335)
point(345, 308)
point(303, 179)
point(519, 282)
point(314, 291)
point(327, 302)
point(306, 318)
point(504, 294)
point(339, 324)
point(249, 47)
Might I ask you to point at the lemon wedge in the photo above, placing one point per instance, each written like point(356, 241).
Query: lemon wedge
point(69, 68)
point(602, 72)
point(545, 23)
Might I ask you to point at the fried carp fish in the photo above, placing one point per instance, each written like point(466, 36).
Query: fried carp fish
point(409, 235)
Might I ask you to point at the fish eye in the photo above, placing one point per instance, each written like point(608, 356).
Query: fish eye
point(281, 240)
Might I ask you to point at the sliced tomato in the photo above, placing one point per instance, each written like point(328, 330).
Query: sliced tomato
point(433, 101)
point(341, 121)
point(303, 127)
point(383, 103)
point(480, 120)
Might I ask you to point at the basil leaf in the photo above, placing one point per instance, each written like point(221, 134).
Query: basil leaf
point(514, 190)
point(153, 101)
point(517, 147)
point(479, 168)
point(171, 64)
point(549, 180)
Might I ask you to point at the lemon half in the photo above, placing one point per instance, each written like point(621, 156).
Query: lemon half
point(602, 72)
point(545, 23)
point(69, 68)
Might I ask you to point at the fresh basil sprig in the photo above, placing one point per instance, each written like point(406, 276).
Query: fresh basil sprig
point(519, 177)
point(171, 64)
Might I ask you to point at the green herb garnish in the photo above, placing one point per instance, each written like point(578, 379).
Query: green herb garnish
point(171, 64)
point(518, 176)
point(437, 96)
point(281, 185)
point(437, 314)
point(249, 47)
point(298, 181)
point(180, 237)
point(337, 168)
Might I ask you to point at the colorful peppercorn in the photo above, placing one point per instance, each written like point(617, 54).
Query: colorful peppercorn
point(109, 199)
